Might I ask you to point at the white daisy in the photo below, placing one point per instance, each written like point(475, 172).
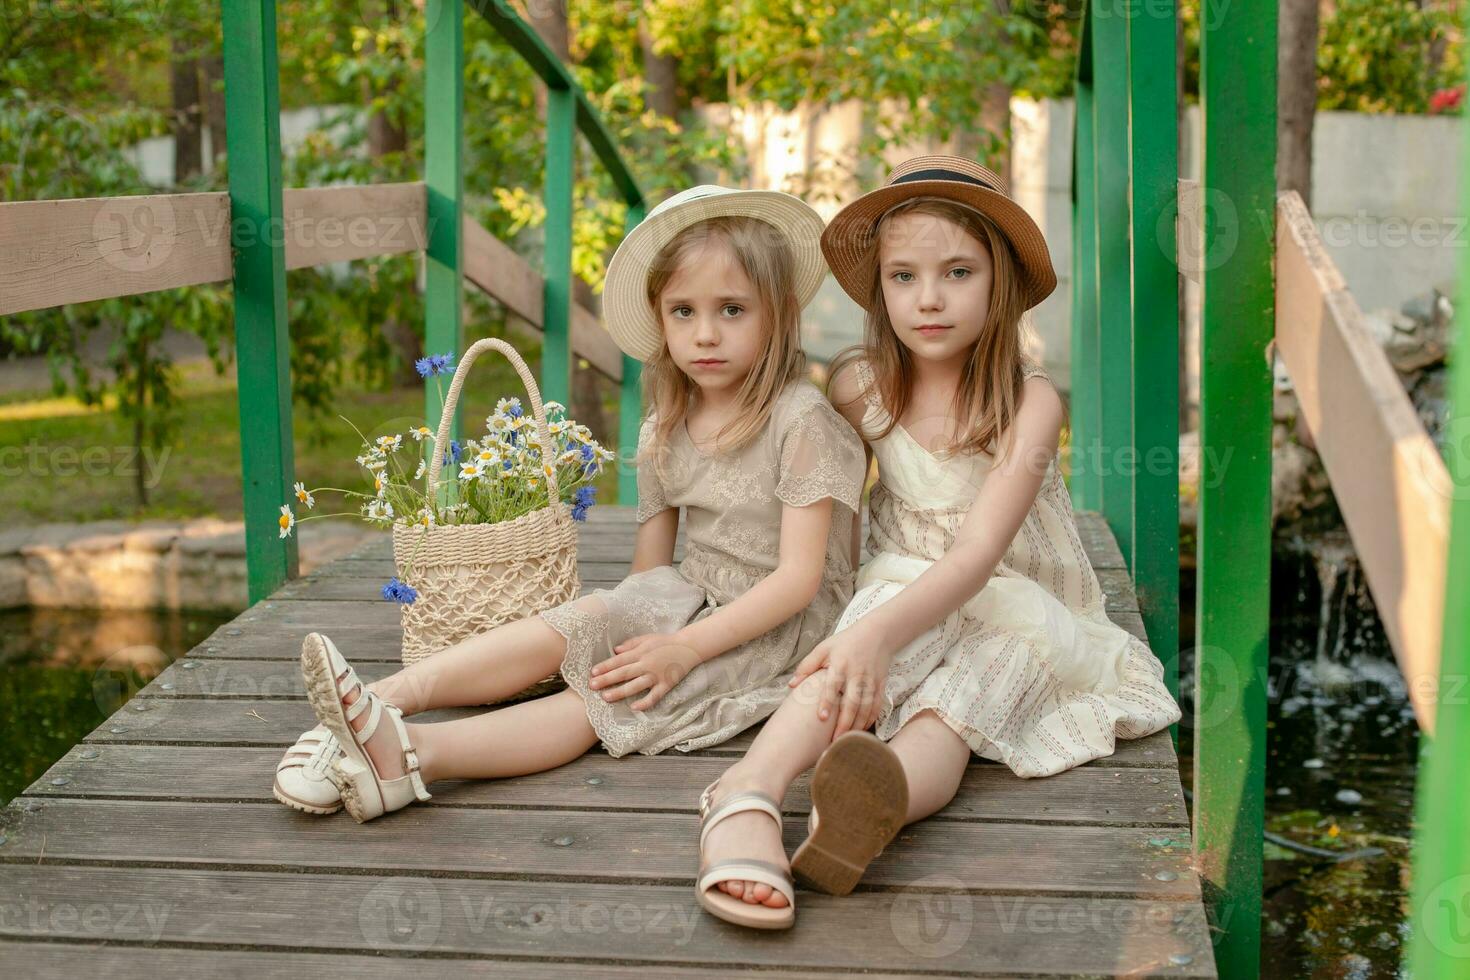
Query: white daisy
point(304, 496)
point(287, 520)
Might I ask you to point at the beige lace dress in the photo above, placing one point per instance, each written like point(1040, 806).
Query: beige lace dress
point(1029, 671)
point(732, 513)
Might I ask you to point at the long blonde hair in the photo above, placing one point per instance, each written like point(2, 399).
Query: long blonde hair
point(990, 386)
point(763, 252)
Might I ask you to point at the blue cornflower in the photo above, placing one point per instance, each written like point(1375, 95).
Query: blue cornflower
point(455, 451)
point(434, 364)
point(396, 591)
point(515, 411)
point(586, 496)
point(587, 452)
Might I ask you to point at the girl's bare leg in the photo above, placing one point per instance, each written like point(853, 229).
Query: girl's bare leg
point(479, 669)
point(934, 758)
point(487, 667)
point(789, 744)
point(532, 736)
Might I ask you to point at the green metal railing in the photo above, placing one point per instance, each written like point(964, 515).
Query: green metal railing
point(1125, 349)
point(1125, 462)
point(1125, 403)
point(252, 108)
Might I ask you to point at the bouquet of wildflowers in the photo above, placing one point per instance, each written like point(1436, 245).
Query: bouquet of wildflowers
point(494, 477)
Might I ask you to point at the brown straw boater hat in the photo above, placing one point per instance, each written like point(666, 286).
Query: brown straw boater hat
point(963, 181)
point(633, 322)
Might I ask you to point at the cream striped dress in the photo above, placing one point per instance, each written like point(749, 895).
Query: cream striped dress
point(1029, 671)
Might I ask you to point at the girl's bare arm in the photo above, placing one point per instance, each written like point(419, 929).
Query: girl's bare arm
point(654, 545)
point(777, 597)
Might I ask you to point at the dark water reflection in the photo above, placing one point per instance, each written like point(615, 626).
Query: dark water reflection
point(64, 671)
point(1341, 753)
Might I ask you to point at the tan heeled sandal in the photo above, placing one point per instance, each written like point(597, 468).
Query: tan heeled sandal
point(365, 793)
point(726, 906)
point(863, 794)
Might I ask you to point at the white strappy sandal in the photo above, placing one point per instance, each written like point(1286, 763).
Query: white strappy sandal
point(365, 793)
point(303, 777)
point(728, 907)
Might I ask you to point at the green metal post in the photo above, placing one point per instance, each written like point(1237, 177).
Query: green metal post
point(444, 180)
point(630, 403)
point(561, 157)
point(1116, 469)
point(1153, 128)
point(1238, 98)
point(1085, 401)
point(1440, 901)
point(262, 342)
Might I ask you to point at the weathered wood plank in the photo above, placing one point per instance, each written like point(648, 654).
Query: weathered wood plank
point(278, 721)
point(1091, 794)
point(612, 923)
point(377, 643)
point(353, 221)
point(67, 961)
point(1098, 541)
point(91, 248)
point(655, 848)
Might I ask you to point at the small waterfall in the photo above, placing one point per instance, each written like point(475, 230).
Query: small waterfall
point(1339, 575)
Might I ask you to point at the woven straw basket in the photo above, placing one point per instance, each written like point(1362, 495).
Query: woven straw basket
point(474, 577)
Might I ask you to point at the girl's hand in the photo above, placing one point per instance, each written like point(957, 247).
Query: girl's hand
point(857, 669)
point(653, 662)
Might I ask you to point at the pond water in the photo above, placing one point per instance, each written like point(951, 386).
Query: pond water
point(1340, 769)
point(1339, 773)
point(63, 671)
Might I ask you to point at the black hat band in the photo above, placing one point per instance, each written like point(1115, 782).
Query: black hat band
point(940, 173)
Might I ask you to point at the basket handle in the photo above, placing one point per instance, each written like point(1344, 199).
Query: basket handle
point(451, 400)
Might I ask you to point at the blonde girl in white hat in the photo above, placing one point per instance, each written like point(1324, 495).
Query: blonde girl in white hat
point(708, 290)
point(978, 626)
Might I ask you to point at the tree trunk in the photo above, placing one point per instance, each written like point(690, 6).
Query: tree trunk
point(214, 105)
point(187, 111)
point(1296, 96)
point(549, 20)
point(995, 117)
point(384, 137)
point(660, 72)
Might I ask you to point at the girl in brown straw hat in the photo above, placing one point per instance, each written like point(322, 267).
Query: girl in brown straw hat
point(978, 625)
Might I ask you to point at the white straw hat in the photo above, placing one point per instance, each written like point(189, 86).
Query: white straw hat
point(633, 322)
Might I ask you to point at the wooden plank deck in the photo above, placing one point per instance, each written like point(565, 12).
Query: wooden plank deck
point(154, 848)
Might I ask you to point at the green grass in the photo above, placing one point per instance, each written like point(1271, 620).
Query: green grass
point(62, 462)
